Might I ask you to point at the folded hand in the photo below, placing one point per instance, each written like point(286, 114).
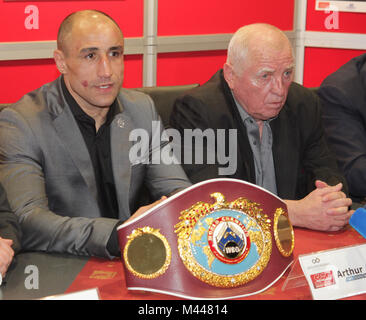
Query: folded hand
point(325, 208)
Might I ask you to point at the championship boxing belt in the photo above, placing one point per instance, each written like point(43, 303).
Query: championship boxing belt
point(218, 239)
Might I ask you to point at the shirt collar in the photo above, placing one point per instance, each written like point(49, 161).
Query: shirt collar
point(244, 114)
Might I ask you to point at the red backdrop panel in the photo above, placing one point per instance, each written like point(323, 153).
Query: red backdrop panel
point(348, 22)
point(188, 67)
point(217, 16)
point(127, 13)
point(320, 62)
point(25, 76)
point(133, 71)
point(19, 77)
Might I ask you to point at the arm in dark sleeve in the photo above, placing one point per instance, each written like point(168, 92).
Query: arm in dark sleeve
point(191, 115)
point(113, 243)
point(319, 160)
point(346, 134)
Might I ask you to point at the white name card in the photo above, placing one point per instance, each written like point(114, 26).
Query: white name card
point(89, 294)
point(337, 273)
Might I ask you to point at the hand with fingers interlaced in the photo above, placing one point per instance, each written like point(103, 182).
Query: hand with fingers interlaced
point(326, 208)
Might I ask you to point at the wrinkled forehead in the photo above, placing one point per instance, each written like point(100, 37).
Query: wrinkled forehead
point(269, 56)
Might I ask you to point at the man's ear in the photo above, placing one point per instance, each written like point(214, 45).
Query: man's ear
point(59, 57)
point(229, 74)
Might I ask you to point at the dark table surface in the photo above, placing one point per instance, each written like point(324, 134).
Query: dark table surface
point(35, 275)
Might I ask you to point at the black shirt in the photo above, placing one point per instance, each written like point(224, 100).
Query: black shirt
point(99, 146)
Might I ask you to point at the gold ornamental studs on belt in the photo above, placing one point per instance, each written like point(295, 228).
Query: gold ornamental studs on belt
point(283, 233)
point(147, 253)
point(225, 244)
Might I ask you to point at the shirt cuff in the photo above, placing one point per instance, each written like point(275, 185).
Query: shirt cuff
point(113, 244)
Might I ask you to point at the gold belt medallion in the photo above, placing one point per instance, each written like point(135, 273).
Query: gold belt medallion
point(147, 253)
point(225, 244)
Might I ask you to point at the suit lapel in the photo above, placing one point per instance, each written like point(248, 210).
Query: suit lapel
point(245, 163)
point(121, 127)
point(245, 154)
point(71, 137)
point(285, 154)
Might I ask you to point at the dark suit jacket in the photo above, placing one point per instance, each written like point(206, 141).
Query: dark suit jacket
point(300, 153)
point(48, 176)
point(343, 96)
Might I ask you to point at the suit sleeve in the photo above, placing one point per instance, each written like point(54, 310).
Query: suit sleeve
point(346, 132)
point(9, 225)
point(319, 161)
point(191, 118)
point(164, 175)
point(21, 174)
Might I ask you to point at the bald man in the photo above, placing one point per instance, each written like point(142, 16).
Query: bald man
point(279, 142)
point(65, 160)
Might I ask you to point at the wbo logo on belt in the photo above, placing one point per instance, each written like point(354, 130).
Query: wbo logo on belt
point(199, 245)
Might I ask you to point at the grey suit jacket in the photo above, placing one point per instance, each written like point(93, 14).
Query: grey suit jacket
point(9, 225)
point(48, 177)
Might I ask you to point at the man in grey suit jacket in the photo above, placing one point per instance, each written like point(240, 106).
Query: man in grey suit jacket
point(64, 148)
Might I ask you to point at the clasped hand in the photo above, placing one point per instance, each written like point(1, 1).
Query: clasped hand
point(326, 208)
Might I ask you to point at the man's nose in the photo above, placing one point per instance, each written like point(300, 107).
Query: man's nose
point(278, 87)
point(104, 68)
